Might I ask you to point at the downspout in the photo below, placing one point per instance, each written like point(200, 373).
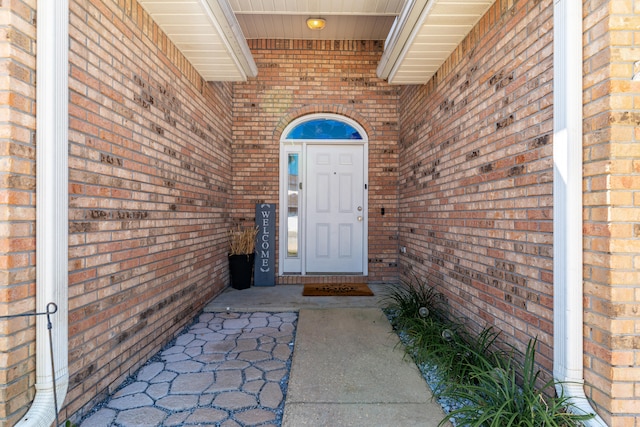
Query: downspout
point(52, 193)
point(567, 205)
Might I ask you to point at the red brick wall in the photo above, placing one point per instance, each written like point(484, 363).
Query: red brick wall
point(475, 187)
point(161, 163)
point(476, 176)
point(17, 207)
point(150, 159)
point(612, 209)
point(301, 77)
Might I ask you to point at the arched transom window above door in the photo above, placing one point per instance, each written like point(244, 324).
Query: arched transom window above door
point(324, 128)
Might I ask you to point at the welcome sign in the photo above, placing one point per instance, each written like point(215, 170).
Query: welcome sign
point(265, 263)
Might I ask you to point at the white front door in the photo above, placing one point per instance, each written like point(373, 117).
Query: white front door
point(335, 209)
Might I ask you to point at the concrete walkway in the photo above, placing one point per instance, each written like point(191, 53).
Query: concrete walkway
point(348, 370)
point(231, 368)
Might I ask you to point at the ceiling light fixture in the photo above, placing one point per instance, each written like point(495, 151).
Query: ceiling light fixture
point(316, 23)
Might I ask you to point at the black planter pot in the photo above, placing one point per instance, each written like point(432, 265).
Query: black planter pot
point(241, 270)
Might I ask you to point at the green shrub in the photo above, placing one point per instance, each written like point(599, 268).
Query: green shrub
point(495, 397)
point(494, 389)
point(406, 301)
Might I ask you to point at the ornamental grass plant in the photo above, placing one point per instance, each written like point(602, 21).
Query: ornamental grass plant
point(242, 240)
point(501, 396)
point(411, 301)
point(479, 373)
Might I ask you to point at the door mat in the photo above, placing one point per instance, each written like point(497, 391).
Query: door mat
point(336, 290)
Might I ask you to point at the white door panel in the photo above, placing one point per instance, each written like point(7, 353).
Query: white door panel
point(335, 215)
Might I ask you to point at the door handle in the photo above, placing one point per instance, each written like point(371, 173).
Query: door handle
point(360, 218)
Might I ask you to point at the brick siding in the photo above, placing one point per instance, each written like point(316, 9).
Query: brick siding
point(612, 209)
point(476, 177)
point(17, 207)
point(475, 188)
point(162, 163)
point(302, 77)
point(150, 161)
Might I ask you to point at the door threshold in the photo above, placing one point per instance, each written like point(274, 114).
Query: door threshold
point(299, 279)
point(322, 274)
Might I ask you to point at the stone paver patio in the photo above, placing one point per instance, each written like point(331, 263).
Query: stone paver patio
point(228, 370)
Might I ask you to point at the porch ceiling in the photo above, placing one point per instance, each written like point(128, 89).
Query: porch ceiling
point(419, 34)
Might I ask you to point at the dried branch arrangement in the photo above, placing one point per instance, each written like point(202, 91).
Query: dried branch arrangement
point(242, 240)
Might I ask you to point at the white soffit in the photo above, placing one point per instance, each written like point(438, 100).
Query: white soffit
point(346, 20)
point(420, 34)
point(424, 36)
point(208, 35)
point(294, 27)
